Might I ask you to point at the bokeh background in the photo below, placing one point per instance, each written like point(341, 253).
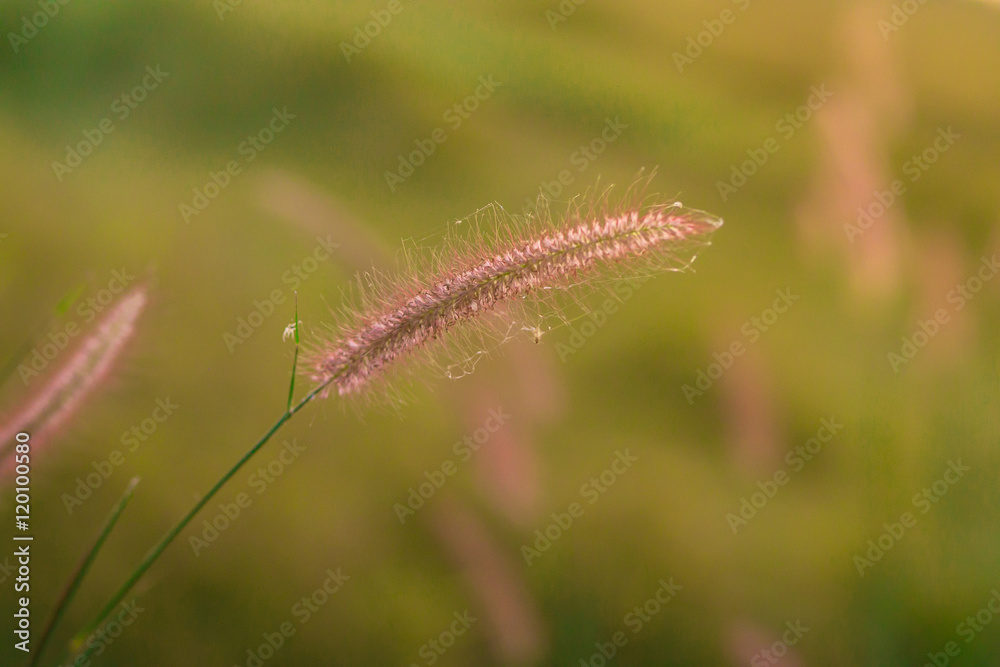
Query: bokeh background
point(898, 76)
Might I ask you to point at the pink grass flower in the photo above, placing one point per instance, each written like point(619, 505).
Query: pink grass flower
point(519, 266)
point(63, 394)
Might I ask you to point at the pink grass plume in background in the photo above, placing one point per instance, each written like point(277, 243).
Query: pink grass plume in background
point(65, 391)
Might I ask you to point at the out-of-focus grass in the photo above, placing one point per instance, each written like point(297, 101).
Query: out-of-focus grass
point(333, 507)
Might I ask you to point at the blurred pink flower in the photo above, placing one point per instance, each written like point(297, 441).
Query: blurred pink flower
point(515, 626)
point(64, 393)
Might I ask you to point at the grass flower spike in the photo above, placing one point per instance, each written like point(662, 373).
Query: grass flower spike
point(519, 266)
point(60, 397)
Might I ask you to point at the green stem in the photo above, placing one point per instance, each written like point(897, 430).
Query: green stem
point(81, 571)
point(295, 362)
point(169, 537)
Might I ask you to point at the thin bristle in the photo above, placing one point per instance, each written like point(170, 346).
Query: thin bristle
point(515, 268)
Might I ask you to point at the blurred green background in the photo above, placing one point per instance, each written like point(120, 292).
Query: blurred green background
point(698, 89)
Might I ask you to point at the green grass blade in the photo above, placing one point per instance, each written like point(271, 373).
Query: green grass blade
point(171, 535)
point(295, 361)
point(81, 571)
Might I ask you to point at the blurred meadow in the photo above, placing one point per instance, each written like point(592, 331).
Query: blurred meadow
point(787, 455)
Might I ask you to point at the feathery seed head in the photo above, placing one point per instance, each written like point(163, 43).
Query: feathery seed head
point(83, 371)
point(517, 266)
